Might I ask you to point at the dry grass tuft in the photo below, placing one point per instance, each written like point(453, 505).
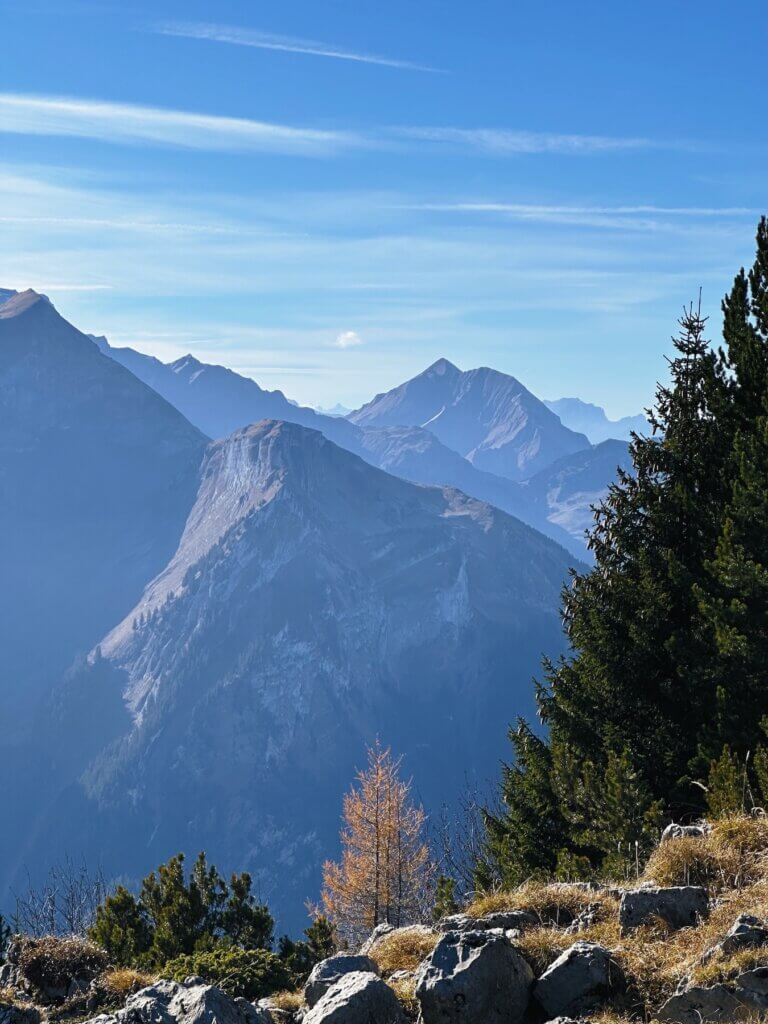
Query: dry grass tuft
point(405, 990)
point(287, 1000)
point(403, 949)
point(123, 982)
point(553, 902)
point(725, 968)
point(542, 946)
point(733, 854)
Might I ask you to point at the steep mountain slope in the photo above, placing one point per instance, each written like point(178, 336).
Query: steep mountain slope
point(97, 475)
point(566, 491)
point(313, 603)
point(487, 416)
point(218, 401)
point(592, 420)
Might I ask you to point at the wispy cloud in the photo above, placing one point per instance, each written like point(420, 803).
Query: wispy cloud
point(535, 210)
point(130, 123)
point(348, 339)
point(643, 217)
point(287, 44)
point(501, 142)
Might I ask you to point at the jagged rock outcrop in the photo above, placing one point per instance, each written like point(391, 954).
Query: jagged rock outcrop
point(579, 980)
point(476, 978)
point(325, 974)
point(356, 998)
point(680, 906)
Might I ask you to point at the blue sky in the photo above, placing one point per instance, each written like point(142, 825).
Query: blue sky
point(330, 195)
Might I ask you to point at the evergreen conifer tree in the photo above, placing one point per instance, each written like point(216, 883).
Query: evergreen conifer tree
point(736, 603)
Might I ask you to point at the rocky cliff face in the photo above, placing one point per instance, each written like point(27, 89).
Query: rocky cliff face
point(487, 416)
point(313, 603)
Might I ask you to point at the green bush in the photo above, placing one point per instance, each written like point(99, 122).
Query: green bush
point(178, 912)
point(251, 973)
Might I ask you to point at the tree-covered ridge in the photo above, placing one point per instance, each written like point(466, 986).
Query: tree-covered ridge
point(665, 682)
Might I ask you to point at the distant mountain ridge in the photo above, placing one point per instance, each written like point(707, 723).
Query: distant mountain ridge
point(218, 401)
point(488, 417)
point(592, 420)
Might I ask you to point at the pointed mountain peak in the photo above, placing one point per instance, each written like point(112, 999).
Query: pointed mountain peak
point(187, 360)
point(20, 303)
point(441, 368)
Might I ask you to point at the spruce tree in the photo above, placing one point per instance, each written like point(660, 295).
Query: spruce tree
point(626, 708)
point(736, 604)
point(526, 837)
point(636, 684)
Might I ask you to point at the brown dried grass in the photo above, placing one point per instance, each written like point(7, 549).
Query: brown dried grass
point(556, 902)
point(124, 981)
point(287, 1000)
point(403, 949)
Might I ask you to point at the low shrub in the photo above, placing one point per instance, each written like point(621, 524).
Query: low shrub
point(51, 964)
point(403, 949)
point(251, 973)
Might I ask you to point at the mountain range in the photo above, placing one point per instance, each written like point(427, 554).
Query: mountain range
point(214, 599)
point(218, 400)
point(592, 420)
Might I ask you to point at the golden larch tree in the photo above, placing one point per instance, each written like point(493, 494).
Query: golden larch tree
point(385, 869)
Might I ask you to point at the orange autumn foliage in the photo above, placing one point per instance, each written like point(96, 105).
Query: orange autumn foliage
point(384, 871)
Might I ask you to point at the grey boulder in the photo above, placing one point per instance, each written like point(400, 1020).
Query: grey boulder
point(753, 987)
point(376, 934)
point(698, 1005)
point(579, 980)
point(357, 998)
point(193, 1002)
point(747, 932)
point(12, 1013)
point(681, 906)
point(504, 920)
point(325, 974)
point(475, 978)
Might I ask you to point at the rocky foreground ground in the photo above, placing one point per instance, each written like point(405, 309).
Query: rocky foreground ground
point(685, 943)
